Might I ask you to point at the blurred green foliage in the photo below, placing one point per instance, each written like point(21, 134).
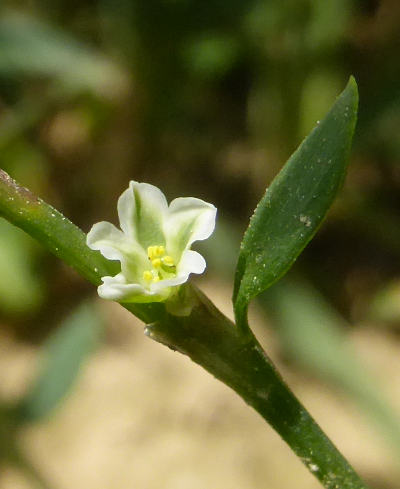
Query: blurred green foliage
point(21, 289)
point(206, 99)
point(64, 353)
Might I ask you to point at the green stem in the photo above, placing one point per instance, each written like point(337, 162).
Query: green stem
point(58, 235)
point(213, 341)
point(206, 336)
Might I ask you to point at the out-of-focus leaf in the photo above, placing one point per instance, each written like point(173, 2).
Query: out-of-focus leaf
point(21, 290)
point(312, 333)
point(385, 305)
point(8, 432)
point(297, 201)
point(212, 56)
point(31, 48)
point(329, 22)
point(63, 356)
point(319, 89)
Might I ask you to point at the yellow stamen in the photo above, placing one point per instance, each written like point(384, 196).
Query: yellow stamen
point(162, 265)
point(150, 252)
point(160, 251)
point(168, 261)
point(155, 252)
point(147, 275)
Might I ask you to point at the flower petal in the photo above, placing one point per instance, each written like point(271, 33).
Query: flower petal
point(191, 262)
point(126, 210)
point(189, 220)
point(118, 289)
point(115, 245)
point(141, 211)
point(106, 238)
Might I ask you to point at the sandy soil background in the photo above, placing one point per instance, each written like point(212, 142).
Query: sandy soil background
point(144, 417)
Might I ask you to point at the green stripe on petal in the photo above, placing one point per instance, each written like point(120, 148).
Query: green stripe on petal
point(142, 209)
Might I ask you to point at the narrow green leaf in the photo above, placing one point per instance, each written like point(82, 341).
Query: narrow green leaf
point(295, 204)
point(64, 354)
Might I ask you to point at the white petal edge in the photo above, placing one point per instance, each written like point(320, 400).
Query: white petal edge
point(205, 222)
point(102, 236)
point(117, 289)
point(126, 208)
point(184, 211)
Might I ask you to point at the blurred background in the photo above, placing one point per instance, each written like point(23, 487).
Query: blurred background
point(204, 99)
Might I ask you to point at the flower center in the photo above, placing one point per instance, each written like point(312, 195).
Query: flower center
point(162, 265)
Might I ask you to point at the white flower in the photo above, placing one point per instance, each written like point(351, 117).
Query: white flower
point(154, 244)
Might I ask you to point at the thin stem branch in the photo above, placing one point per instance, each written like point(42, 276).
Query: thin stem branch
point(213, 341)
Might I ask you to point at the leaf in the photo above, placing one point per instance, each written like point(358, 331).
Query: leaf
point(30, 47)
point(292, 209)
point(64, 354)
point(21, 289)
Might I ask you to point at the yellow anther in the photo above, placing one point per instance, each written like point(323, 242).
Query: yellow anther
point(168, 261)
point(160, 251)
point(155, 251)
point(147, 275)
point(156, 278)
point(150, 252)
point(156, 262)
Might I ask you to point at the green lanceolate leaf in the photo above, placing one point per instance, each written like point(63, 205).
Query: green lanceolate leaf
point(295, 204)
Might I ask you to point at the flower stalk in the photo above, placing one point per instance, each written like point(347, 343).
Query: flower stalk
point(214, 342)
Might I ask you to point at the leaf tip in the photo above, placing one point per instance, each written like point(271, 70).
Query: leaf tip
point(352, 82)
point(352, 87)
